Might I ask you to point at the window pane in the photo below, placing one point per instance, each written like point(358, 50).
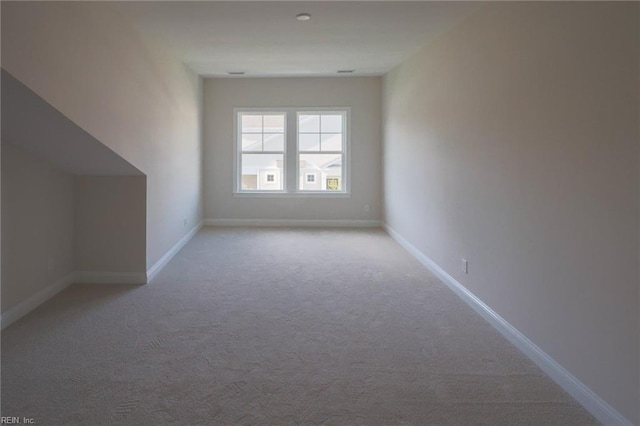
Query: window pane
point(309, 142)
point(274, 142)
point(262, 172)
point(308, 123)
point(332, 142)
point(251, 142)
point(331, 124)
point(327, 169)
point(251, 124)
point(274, 123)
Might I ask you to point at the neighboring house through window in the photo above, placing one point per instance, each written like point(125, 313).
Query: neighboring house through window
point(321, 149)
point(261, 145)
point(292, 151)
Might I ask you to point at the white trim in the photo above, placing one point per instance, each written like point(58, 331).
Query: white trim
point(28, 305)
point(295, 223)
point(598, 407)
point(345, 176)
point(237, 152)
point(102, 277)
point(157, 267)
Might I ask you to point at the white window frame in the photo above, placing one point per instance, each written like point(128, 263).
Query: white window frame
point(237, 152)
point(291, 165)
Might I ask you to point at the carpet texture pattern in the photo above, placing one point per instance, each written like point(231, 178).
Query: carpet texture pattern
point(274, 327)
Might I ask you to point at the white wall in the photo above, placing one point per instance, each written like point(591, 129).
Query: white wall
point(363, 95)
point(110, 232)
point(512, 141)
point(37, 225)
point(87, 61)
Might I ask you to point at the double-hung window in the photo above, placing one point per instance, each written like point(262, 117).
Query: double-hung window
point(321, 150)
point(302, 151)
point(261, 142)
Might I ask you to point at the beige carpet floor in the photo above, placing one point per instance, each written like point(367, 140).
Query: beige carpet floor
point(274, 327)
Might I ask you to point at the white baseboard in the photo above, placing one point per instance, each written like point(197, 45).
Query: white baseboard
point(598, 407)
point(157, 267)
point(99, 277)
point(295, 223)
point(28, 305)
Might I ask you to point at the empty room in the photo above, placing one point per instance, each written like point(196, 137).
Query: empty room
point(320, 212)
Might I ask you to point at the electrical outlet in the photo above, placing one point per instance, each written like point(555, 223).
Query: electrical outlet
point(367, 208)
point(465, 266)
point(185, 221)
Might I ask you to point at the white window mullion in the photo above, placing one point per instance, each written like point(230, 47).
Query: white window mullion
point(292, 152)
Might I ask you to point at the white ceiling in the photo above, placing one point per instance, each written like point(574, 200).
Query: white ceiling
point(263, 38)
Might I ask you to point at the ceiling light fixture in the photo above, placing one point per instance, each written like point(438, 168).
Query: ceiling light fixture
point(303, 16)
point(345, 71)
point(236, 73)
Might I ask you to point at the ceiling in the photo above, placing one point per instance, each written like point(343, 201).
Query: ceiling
point(264, 38)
